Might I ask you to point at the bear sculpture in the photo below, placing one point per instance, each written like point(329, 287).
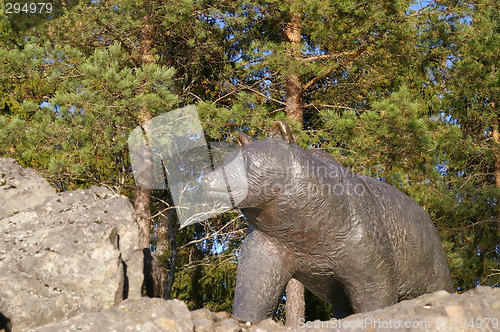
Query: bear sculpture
point(353, 241)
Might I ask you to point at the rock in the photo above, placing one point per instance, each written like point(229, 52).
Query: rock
point(20, 188)
point(153, 314)
point(144, 315)
point(206, 321)
point(76, 252)
point(203, 320)
point(477, 309)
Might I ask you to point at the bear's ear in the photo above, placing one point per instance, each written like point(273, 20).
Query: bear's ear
point(244, 139)
point(282, 128)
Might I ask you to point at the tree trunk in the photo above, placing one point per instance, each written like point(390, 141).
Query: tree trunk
point(165, 233)
point(142, 207)
point(293, 106)
point(167, 242)
point(142, 199)
point(495, 135)
point(294, 88)
point(295, 303)
point(142, 196)
point(170, 277)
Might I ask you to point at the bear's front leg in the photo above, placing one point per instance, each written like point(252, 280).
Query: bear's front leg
point(263, 272)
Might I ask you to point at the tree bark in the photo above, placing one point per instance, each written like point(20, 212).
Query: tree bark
point(294, 88)
point(295, 303)
point(142, 207)
point(167, 243)
point(294, 104)
point(170, 277)
point(495, 136)
point(142, 196)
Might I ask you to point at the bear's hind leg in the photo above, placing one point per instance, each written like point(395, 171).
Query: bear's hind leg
point(365, 296)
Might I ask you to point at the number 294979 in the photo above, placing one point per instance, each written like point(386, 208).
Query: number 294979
point(28, 8)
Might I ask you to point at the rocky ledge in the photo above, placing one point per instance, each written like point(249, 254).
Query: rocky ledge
point(63, 253)
point(476, 310)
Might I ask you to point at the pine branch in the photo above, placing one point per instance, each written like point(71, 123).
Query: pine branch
point(330, 70)
point(217, 232)
point(335, 106)
point(238, 90)
point(419, 12)
point(245, 87)
point(324, 57)
point(117, 36)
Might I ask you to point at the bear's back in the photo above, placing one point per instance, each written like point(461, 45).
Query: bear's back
point(401, 224)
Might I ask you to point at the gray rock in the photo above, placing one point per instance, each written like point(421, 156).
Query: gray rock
point(477, 309)
point(76, 252)
point(144, 315)
point(206, 321)
point(20, 188)
point(153, 314)
point(203, 320)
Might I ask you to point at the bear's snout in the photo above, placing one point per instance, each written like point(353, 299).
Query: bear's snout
point(213, 182)
point(206, 181)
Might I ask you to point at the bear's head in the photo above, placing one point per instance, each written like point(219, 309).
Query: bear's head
point(258, 172)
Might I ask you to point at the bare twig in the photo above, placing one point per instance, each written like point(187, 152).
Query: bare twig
point(419, 12)
point(330, 70)
point(261, 94)
point(324, 56)
point(335, 106)
point(211, 235)
point(238, 90)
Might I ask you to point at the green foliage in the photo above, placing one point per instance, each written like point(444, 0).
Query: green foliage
point(91, 105)
point(207, 270)
point(317, 308)
point(210, 286)
point(470, 208)
point(394, 133)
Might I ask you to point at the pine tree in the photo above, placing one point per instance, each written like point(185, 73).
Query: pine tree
point(470, 155)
